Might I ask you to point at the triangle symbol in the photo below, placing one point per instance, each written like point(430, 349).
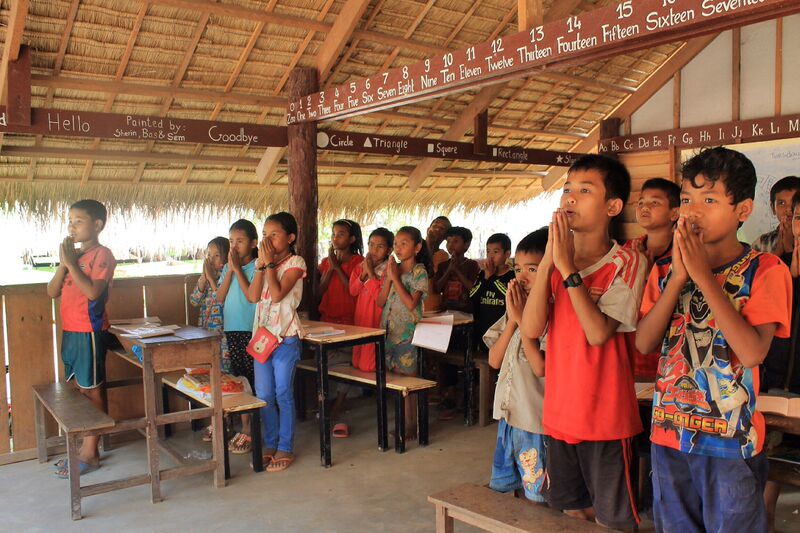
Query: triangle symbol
point(367, 143)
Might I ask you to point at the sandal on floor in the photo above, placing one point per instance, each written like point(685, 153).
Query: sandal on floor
point(84, 468)
point(280, 463)
point(61, 463)
point(341, 431)
point(240, 444)
point(208, 434)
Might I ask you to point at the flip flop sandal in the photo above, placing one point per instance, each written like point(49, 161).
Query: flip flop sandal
point(280, 463)
point(240, 444)
point(341, 431)
point(61, 463)
point(84, 468)
point(208, 434)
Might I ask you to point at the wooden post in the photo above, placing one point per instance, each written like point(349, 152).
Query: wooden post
point(19, 89)
point(481, 139)
point(303, 196)
point(609, 128)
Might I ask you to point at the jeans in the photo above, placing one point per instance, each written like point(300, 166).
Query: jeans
point(275, 385)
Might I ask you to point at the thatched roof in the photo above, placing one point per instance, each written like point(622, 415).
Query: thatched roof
point(231, 53)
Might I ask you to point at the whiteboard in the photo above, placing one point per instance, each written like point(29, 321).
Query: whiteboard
point(773, 160)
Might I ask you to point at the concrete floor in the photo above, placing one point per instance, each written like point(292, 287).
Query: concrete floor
point(365, 490)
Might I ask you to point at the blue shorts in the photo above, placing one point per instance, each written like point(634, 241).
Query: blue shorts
point(84, 357)
point(693, 493)
point(519, 462)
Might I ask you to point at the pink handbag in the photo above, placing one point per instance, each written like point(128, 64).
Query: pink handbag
point(262, 345)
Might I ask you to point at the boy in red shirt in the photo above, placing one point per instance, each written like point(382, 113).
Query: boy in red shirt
point(585, 297)
point(82, 281)
point(714, 314)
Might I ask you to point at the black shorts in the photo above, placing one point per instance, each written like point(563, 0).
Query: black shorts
point(241, 361)
point(593, 474)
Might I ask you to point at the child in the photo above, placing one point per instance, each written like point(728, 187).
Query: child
point(520, 456)
point(435, 236)
point(278, 284)
point(780, 240)
point(714, 315)
point(457, 275)
point(344, 255)
point(403, 290)
point(232, 290)
point(204, 294)
point(656, 213)
point(585, 295)
point(82, 280)
point(365, 285)
point(488, 295)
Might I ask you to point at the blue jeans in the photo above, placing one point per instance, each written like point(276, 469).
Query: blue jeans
point(275, 385)
point(695, 493)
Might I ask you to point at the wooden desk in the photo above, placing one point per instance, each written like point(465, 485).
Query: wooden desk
point(353, 336)
point(464, 324)
point(188, 347)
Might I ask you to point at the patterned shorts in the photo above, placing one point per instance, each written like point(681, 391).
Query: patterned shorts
point(240, 361)
point(401, 358)
point(519, 462)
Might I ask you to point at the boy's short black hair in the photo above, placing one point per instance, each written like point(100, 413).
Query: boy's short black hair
point(443, 219)
point(670, 188)
point(93, 208)
point(733, 167)
point(795, 201)
point(501, 239)
point(533, 243)
point(789, 183)
point(458, 231)
point(616, 178)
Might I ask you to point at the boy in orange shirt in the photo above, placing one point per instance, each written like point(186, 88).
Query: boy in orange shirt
point(714, 314)
point(82, 280)
point(585, 297)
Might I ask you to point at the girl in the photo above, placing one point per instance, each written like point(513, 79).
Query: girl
point(278, 286)
point(365, 285)
point(337, 305)
point(404, 288)
point(238, 313)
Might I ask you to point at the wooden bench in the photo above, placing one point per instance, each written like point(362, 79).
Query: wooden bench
point(492, 511)
point(486, 383)
point(401, 386)
point(77, 417)
point(231, 404)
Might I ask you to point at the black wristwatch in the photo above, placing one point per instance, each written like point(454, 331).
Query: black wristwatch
point(573, 280)
point(271, 266)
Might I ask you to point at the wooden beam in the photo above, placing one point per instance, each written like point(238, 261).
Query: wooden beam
point(480, 139)
point(530, 13)
point(13, 41)
point(268, 165)
point(778, 66)
point(736, 78)
point(679, 59)
point(676, 100)
point(340, 33)
point(19, 89)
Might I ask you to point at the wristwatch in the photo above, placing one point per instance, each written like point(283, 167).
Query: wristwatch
point(271, 266)
point(573, 280)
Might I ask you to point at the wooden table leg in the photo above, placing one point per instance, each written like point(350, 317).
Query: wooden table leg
point(74, 469)
point(41, 431)
point(399, 423)
point(380, 373)
point(151, 393)
point(322, 399)
point(444, 522)
point(257, 442)
point(218, 433)
point(469, 386)
point(422, 417)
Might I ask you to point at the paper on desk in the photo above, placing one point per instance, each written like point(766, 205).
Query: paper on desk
point(145, 332)
point(321, 332)
point(434, 333)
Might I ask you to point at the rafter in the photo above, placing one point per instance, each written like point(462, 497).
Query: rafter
point(16, 26)
point(679, 59)
point(340, 33)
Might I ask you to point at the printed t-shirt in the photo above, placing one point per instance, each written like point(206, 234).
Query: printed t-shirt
point(590, 394)
point(705, 399)
point(337, 305)
point(645, 366)
point(78, 313)
point(454, 294)
point(488, 302)
point(237, 311)
point(281, 318)
point(519, 393)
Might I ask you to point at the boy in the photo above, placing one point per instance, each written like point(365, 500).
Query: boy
point(457, 275)
point(82, 280)
point(435, 236)
point(519, 457)
point(716, 311)
point(585, 296)
point(488, 295)
point(780, 240)
point(656, 213)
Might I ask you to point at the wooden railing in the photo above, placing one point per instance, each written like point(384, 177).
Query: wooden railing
point(33, 331)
